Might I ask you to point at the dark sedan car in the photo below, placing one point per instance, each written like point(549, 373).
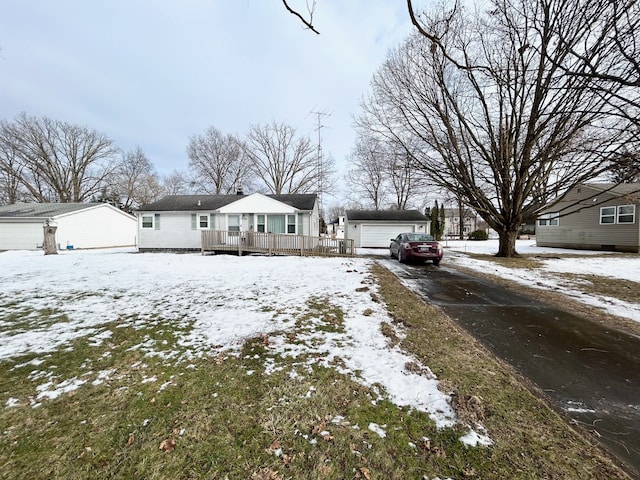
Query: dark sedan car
point(416, 246)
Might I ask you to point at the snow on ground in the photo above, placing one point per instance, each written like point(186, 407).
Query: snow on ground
point(581, 262)
point(221, 301)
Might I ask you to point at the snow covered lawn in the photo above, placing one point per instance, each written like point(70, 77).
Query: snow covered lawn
point(124, 365)
point(215, 304)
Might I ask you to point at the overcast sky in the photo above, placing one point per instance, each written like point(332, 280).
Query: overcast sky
point(152, 73)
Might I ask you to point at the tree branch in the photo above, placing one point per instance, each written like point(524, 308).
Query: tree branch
point(308, 23)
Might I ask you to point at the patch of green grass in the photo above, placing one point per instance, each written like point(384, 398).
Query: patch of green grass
point(323, 315)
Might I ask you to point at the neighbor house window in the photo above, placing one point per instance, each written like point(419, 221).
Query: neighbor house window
point(147, 221)
point(549, 220)
point(627, 214)
point(607, 215)
point(291, 224)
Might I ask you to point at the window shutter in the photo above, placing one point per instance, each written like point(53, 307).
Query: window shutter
point(212, 221)
point(194, 220)
point(156, 221)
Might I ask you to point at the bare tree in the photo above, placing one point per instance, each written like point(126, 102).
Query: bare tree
point(58, 161)
point(499, 124)
point(626, 168)
point(406, 181)
point(177, 183)
point(217, 163)
point(135, 182)
point(10, 170)
point(284, 162)
point(607, 48)
point(367, 174)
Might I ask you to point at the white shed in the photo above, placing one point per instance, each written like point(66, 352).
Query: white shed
point(375, 228)
point(80, 225)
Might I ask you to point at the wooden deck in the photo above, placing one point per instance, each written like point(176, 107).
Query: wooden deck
point(249, 242)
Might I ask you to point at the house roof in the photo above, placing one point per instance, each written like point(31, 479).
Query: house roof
point(386, 215)
point(42, 210)
point(614, 189)
point(178, 203)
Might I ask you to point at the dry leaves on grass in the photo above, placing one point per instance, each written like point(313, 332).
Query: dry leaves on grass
point(168, 445)
point(265, 474)
point(364, 472)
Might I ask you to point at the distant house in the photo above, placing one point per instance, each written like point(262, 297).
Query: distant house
point(453, 221)
point(79, 225)
point(175, 222)
point(375, 228)
point(592, 217)
point(335, 228)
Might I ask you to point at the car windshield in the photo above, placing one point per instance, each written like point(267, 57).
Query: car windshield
point(419, 237)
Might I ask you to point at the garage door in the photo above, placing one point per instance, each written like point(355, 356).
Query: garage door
point(374, 236)
point(20, 236)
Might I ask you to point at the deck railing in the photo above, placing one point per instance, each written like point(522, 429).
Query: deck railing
point(275, 244)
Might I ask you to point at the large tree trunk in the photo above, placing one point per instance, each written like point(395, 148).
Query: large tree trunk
point(49, 244)
point(507, 246)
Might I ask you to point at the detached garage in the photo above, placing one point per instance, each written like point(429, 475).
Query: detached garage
point(79, 225)
point(375, 228)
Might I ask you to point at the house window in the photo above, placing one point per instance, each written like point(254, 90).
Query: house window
point(549, 220)
point(607, 215)
point(291, 224)
point(276, 223)
point(233, 223)
point(627, 214)
point(147, 221)
point(260, 225)
point(203, 222)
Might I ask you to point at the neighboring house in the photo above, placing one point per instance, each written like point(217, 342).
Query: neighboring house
point(336, 227)
point(175, 222)
point(592, 217)
point(79, 225)
point(452, 222)
point(375, 228)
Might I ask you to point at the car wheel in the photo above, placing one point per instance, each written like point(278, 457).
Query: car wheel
point(400, 257)
point(436, 261)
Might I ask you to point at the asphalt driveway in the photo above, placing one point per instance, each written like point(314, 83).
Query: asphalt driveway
point(589, 372)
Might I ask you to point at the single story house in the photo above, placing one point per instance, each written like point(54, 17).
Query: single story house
point(175, 222)
point(597, 216)
point(79, 225)
point(375, 228)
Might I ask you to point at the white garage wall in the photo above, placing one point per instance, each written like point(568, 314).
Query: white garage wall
point(101, 226)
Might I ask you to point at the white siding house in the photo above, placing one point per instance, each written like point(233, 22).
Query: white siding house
point(79, 225)
point(175, 222)
point(375, 228)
